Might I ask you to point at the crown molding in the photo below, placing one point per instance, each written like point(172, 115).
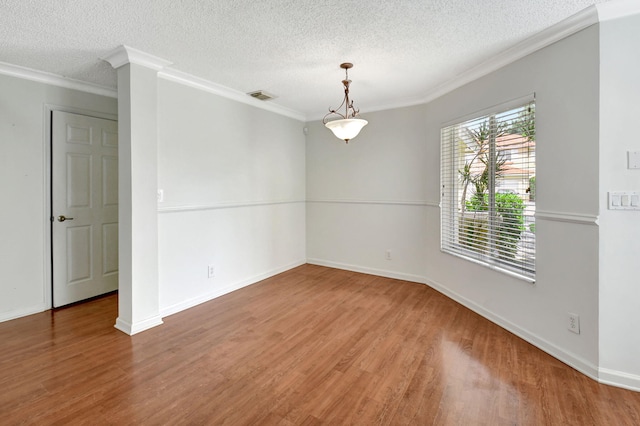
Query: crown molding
point(563, 29)
point(226, 92)
point(396, 104)
point(557, 32)
point(123, 55)
point(55, 80)
point(400, 103)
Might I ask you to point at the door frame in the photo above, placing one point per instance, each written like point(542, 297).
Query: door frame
point(48, 170)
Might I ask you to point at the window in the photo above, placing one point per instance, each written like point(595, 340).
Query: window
point(488, 194)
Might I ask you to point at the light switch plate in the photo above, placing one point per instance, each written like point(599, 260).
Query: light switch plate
point(624, 200)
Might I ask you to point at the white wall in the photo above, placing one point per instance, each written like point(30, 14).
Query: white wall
point(369, 196)
point(233, 178)
point(620, 230)
point(234, 183)
point(395, 161)
point(24, 275)
point(564, 78)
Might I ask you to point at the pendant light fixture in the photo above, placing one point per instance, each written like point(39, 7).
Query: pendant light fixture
point(347, 127)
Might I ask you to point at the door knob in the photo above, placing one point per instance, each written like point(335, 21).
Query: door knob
point(62, 218)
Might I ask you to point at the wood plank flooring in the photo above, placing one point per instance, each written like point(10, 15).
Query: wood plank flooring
point(311, 346)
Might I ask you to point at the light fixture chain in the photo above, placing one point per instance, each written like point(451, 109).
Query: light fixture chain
point(348, 126)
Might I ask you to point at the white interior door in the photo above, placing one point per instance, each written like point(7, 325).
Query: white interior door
point(84, 203)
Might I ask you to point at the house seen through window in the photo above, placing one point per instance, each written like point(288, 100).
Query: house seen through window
point(488, 182)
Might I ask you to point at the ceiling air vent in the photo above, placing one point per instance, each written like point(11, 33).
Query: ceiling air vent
point(262, 95)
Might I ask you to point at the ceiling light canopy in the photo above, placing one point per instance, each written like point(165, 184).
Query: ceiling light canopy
point(347, 127)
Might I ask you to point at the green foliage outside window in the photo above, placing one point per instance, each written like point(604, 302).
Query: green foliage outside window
point(510, 209)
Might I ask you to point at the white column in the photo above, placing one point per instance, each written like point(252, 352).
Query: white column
point(138, 292)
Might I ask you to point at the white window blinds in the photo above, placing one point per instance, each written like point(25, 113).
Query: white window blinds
point(488, 167)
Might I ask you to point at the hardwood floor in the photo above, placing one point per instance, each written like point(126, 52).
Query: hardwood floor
point(310, 346)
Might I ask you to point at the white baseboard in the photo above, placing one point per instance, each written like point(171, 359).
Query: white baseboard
point(619, 379)
point(585, 367)
point(131, 329)
point(190, 303)
point(18, 313)
point(366, 270)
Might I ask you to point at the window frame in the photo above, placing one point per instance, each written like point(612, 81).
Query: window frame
point(450, 187)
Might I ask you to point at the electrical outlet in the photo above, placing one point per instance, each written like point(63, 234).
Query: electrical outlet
point(211, 271)
point(388, 255)
point(573, 322)
point(160, 195)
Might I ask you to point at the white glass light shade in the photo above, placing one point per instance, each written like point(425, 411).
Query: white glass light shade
point(346, 129)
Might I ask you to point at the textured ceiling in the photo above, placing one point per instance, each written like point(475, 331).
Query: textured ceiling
point(290, 48)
